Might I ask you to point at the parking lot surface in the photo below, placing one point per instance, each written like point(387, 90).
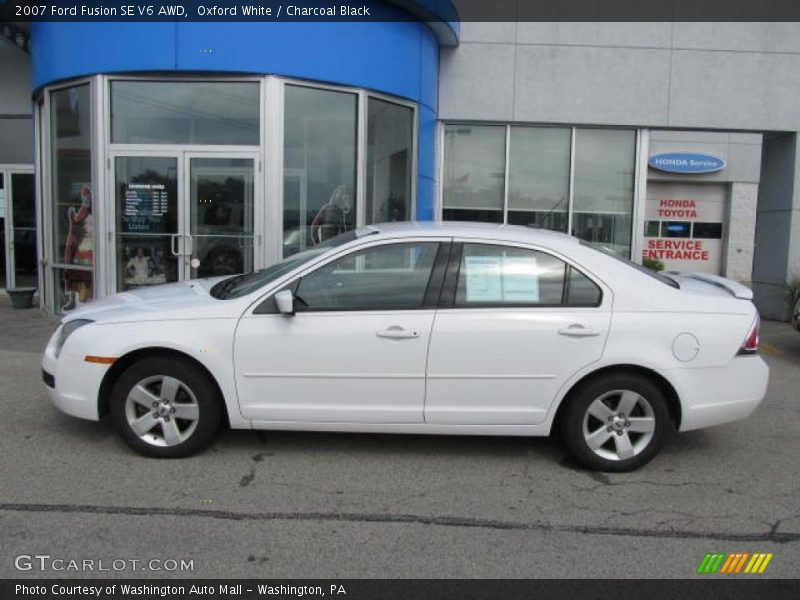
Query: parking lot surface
point(307, 505)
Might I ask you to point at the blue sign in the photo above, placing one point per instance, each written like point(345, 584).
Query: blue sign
point(686, 162)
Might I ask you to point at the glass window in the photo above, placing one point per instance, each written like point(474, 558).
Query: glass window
point(389, 153)
point(71, 197)
point(582, 291)
point(393, 276)
point(707, 231)
point(185, 112)
point(497, 275)
point(147, 220)
point(538, 184)
point(319, 172)
point(23, 204)
point(604, 180)
point(652, 228)
point(474, 173)
point(677, 229)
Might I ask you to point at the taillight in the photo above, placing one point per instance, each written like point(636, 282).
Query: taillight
point(750, 345)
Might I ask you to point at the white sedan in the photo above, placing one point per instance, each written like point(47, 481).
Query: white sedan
point(437, 328)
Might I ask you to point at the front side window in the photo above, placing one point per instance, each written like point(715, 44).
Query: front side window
point(388, 277)
point(492, 275)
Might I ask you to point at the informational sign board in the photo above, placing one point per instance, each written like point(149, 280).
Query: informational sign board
point(144, 208)
point(686, 163)
point(685, 226)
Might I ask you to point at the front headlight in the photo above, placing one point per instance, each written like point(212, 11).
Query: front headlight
point(67, 329)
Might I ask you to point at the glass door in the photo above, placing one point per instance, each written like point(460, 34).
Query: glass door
point(149, 244)
point(221, 215)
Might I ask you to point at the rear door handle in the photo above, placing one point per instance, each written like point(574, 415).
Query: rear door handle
point(577, 330)
point(397, 333)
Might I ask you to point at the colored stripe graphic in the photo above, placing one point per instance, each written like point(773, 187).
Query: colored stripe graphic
point(734, 563)
point(711, 562)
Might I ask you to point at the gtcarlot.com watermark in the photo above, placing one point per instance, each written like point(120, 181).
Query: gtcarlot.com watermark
point(48, 563)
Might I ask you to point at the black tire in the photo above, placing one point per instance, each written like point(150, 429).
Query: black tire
point(605, 388)
point(196, 389)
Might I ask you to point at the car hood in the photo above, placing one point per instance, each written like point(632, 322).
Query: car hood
point(183, 300)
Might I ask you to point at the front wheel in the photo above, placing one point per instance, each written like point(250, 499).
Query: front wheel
point(166, 407)
point(617, 422)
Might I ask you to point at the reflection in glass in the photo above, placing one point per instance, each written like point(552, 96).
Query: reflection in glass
point(71, 176)
point(185, 112)
point(474, 172)
point(23, 207)
point(604, 179)
point(221, 216)
point(319, 156)
point(147, 220)
point(538, 189)
point(389, 151)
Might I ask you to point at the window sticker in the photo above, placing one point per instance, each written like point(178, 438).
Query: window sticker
point(520, 279)
point(484, 278)
point(496, 279)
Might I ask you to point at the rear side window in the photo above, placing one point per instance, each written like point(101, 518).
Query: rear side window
point(581, 291)
point(491, 275)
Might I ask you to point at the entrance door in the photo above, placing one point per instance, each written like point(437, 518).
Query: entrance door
point(18, 263)
point(148, 240)
point(181, 216)
point(221, 216)
point(21, 216)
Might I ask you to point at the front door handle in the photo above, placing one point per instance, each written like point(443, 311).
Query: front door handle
point(579, 331)
point(397, 333)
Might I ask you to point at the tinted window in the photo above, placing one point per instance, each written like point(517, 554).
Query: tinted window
point(497, 275)
point(708, 231)
point(582, 291)
point(394, 276)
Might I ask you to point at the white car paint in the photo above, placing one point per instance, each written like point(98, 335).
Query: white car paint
point(467, 371)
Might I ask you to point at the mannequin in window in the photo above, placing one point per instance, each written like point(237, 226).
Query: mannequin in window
point(331, 220)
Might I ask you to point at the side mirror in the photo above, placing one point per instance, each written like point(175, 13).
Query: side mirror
point(285, 302)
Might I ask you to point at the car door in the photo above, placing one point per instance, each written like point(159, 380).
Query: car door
point(355, 350)
point(514, 324)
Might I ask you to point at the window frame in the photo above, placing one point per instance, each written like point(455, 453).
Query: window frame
point(450, 284)
point(431, 297)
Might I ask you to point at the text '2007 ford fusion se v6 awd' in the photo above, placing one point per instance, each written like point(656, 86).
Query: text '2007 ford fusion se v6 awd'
point(438, 328)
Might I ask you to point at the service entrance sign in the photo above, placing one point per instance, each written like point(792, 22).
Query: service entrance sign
point(684, 226)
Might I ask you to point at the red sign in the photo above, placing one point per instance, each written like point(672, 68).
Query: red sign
point(675, 249)
point(674, 208)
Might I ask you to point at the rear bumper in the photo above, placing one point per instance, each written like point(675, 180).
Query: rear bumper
point(713, 396)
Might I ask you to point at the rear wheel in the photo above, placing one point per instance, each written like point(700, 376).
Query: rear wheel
point(166, 407)
point(617, 422)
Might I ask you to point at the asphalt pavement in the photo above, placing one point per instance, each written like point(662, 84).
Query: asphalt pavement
point(309, 505)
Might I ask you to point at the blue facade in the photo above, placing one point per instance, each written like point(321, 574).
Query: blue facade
point(400, 58)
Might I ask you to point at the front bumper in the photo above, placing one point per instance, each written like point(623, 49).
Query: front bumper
point(76, 384)
point(713, 396)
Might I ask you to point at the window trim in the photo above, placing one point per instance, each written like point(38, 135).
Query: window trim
point(450, 286)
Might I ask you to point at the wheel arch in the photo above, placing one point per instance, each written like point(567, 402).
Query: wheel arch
point(122, 363)
point(671, 395)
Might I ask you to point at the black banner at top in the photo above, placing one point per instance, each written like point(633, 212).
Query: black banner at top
point(400, 10)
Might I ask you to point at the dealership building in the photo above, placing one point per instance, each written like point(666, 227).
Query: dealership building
point(133, 154)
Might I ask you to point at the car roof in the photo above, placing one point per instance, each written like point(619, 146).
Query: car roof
point(492, 231)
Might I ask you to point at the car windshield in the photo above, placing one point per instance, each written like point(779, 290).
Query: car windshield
point(609, 252)
point(241, 285)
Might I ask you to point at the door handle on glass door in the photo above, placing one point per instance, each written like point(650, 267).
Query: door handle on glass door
point(578, 330)
point(397, 333)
